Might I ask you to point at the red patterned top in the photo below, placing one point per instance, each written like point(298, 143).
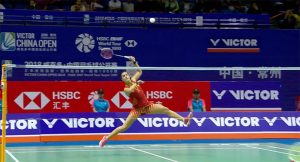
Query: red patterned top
point(138, 98)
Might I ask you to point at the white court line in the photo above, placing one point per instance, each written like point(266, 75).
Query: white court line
point(45, 149)
point(282, 148)
point(12, 156)
point(63, 148)
point(152, 154)
point(271, 150)
point(126, 149)
point(76, 147)
point(178, 146)
point(214, 145)
point(113, 146)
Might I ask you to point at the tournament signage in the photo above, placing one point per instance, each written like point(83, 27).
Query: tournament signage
point(58, 125)
point(36, 97)
point(60, 46)
point(242, 96)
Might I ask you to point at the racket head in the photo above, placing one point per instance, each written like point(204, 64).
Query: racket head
point(106, 53)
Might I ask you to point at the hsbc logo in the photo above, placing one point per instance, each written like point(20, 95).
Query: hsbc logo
point(32, 100)
point(121, 100)
point(130, 43)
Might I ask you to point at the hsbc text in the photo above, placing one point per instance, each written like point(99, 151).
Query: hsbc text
point(159, 94)
point(66, 95)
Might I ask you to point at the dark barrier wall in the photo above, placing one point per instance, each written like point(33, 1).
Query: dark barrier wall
point(32, 17)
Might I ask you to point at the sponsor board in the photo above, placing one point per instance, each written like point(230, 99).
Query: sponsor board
point(91, 124)
point(239, 96)
point(37, 97)
point(233, 45)
point(34, 42)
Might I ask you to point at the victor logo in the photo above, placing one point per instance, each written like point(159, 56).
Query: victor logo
point(249, 94)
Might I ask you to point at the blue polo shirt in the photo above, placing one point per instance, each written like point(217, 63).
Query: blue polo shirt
point(101, 105)
point(197, 105)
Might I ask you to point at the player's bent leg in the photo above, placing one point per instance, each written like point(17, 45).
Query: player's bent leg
point(160, 109)
point(129, 121)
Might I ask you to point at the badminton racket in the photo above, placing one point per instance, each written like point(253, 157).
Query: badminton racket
point(108, 53)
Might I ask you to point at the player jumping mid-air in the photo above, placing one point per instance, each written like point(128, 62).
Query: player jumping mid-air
point(141, 105)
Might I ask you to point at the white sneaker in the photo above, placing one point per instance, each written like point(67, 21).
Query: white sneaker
point(103, 141)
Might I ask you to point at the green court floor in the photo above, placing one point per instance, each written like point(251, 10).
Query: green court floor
point(212, 152)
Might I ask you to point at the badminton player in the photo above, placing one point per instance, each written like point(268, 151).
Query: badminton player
point(141, 105)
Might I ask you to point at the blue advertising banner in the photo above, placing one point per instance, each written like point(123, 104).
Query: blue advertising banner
point(81, 46)
point(103, 123)
point(246, 96)
point(46, 45)
point(23, 125)
point(42, 45)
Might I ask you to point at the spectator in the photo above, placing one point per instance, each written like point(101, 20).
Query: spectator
point(230, 7)
point(96, 6)
point(100, 104)
point(239, 7)
point(114, 5)
point(288, 21)
point(128, 6)
point(186, 6)
point(1, 6)
point(297, 18)
point(32, 5)
point(86, 5)
point(254, 8)
point(78, 6)
point(196, 104)
point(171, 6)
